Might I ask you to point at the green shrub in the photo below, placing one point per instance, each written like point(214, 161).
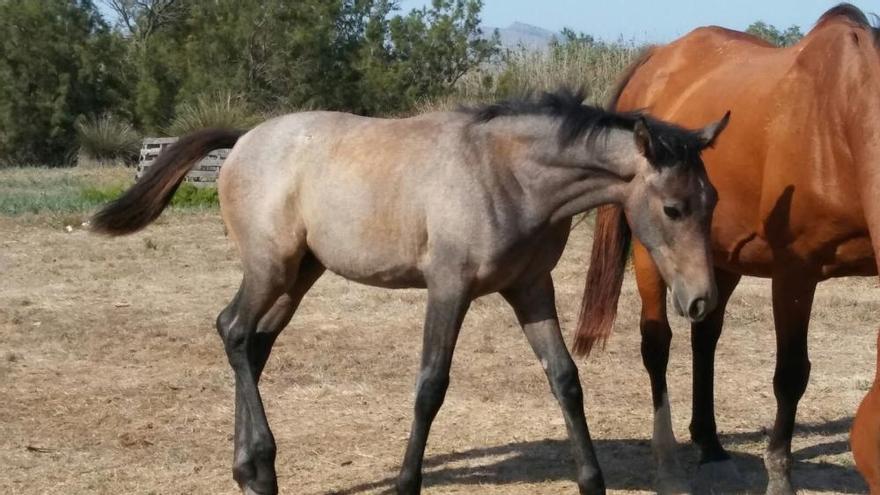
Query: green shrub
point(188, 196)
point(225, 111)
point(107, 139)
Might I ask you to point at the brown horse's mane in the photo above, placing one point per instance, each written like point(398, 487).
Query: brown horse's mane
point(853, 14)
point(677, 144)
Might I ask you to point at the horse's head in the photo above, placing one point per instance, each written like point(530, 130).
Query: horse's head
point(669, 208)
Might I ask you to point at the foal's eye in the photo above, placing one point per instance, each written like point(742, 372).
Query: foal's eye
point(672, 212)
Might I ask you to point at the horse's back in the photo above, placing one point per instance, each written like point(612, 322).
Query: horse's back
point(353, 190)
point(783, 163)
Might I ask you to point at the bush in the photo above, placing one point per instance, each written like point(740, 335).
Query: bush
point(187, 195)
point(106, 139)
point(225, 111)
point(575, 62)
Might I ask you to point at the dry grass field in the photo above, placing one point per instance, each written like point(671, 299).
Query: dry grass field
point(113, 380)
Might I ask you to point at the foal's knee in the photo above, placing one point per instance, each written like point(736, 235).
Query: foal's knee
point(224, 321)
point(567, 385)
point(430, 391)
point(234, 336)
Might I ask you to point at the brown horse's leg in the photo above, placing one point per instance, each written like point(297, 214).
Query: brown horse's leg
point(865, 434)
point(716, 471)
point(704, 339)
point(535, 308)
point(447, 306)
point(656, 337)
point(248, 330)
point(792, 302)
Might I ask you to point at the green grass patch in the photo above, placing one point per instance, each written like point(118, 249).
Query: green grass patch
point(187, 196)
point(38, 191)
point(190, 196)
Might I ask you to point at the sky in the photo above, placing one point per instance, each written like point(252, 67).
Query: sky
point(652, 20)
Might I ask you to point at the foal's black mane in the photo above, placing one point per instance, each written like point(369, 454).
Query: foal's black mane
point(855, 15)
point(677, 145)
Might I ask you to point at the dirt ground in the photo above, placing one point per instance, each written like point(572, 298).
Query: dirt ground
point(113, 380)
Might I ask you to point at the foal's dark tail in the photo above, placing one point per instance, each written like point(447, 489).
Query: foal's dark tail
point(145, 200)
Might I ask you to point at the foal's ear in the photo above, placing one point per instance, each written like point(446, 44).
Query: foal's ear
point(642, 136)
point(710, 133)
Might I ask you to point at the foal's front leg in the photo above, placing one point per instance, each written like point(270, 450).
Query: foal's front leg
point(535, 308)
point(447, 304)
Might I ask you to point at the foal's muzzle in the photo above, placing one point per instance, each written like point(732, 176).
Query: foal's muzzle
point(695, 308)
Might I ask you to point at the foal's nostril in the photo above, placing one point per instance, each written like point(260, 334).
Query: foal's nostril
point(697, 309)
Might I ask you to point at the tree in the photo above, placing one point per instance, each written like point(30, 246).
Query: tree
point(58, 61)
point(353, 55)
point(771, 34)
point(423, 54)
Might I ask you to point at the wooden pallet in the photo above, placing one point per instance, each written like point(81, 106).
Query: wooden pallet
point(204, 174)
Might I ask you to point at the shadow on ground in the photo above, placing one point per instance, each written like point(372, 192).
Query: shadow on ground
point(628, 464)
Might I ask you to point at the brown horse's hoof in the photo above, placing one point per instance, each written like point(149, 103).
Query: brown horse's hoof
point(668, 483)
point(778, 466)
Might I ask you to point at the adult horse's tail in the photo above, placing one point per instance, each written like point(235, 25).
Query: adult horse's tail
point(611, 241)
point(146, 199)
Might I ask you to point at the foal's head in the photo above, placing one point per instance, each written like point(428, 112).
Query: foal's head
point(669, 205)
point(662, 186)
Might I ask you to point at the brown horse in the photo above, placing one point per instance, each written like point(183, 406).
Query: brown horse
point(461, 203)
point(798, 177)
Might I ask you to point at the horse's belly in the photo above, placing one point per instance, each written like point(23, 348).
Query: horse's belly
point(754, 255)
point(390, 262)
point(853, 257)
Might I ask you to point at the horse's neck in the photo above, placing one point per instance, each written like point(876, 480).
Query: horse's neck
point(561, 182)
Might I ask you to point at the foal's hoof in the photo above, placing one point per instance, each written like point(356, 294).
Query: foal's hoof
point(591, 484)
point(247, 490)
point(718, 477)
point(250, 485)
point(780, 487)
point(408, 485)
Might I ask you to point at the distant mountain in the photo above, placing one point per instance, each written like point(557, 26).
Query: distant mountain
point(524, 35)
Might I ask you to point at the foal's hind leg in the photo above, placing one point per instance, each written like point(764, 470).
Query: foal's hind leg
point(792, 302)
point(248, 335)
point(535, 308)
point(447, 304)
